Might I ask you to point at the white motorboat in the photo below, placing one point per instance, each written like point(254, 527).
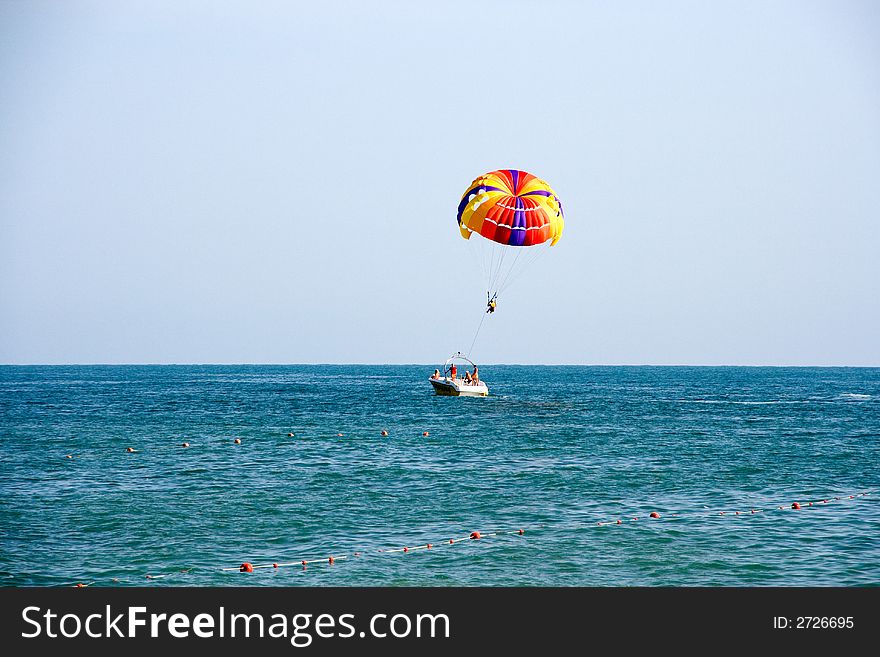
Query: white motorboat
point(446, 384)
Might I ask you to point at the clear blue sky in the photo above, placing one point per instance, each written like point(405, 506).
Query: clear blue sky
point(215, 182)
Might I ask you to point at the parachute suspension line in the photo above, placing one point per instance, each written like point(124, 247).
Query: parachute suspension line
point(493, 283)
point(539, 252)
point(484, 258)
point(510, 270)
point(492, 249)
point(487, 254)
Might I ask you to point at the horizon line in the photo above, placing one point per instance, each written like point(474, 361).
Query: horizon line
point(365, 364)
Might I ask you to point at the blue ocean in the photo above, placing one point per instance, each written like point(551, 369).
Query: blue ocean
point(561, 453)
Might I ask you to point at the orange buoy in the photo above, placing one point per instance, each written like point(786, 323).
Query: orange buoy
point(339, 434)
point(721, 514)
point(304, 562)
point(68, 456)
point(384, 433)
point(475, 536)
point(330, 561)
point(357, 554)
point(290, 435)
point(451, 541)
point(274, 565)
point(523, 531)
point(185, 445)
point(795, 505)
point(406, 549)
point(80, 585)
point(237, 441)
point(618, 522)
point(129, 449)
point(654, 514)
point(635, 518)
point(246, 567)
point(425, 433)
point(737, 512)
point(428, 546)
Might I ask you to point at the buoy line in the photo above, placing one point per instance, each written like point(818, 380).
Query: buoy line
point(476, 535)
point(653, 517)
point(237, 441)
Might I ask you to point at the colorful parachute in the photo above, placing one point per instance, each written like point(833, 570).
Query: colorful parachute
point(511, 207)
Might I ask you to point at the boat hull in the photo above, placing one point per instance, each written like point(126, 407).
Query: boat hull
point(457, 388)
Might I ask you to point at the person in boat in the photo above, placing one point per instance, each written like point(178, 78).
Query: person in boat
point(475, 377)
point(467, 378)
point(436, 375)
point(452, 371)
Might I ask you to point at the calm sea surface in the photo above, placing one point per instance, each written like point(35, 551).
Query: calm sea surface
point(553, 450)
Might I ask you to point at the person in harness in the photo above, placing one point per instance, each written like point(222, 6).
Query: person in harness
point(490, 305)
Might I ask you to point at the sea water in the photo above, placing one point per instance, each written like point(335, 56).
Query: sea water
point(552, 450)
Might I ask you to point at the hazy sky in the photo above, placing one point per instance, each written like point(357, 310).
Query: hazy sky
point(210, 182)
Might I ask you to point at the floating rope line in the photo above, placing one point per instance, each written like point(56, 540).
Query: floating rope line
point(653, 517)
point(476, 535)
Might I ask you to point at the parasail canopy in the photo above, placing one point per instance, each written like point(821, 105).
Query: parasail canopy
point(511, 207)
